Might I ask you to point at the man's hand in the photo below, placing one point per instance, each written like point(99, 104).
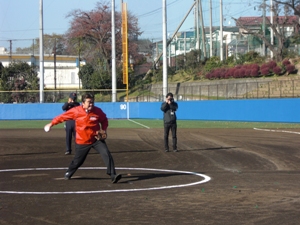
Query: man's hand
point(169, 100)
point(70, 100)
point(101, 135)
point(47, 127)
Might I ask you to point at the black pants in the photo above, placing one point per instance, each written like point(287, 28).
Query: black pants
point(82, 152)
point(70, 132)
point(173, 128)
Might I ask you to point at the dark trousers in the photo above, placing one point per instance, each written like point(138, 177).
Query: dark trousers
point(82, 152)
point(173, 128)
point(70, 132)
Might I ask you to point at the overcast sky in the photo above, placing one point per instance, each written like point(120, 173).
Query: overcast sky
point(19, 19)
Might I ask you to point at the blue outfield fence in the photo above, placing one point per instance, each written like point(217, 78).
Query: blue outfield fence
point(251, 110)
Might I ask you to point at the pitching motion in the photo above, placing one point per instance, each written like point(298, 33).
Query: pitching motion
point(91, 125)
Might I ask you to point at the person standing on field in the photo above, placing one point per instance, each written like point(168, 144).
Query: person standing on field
point(169, 107)
point(70, 124)
point(89, 122)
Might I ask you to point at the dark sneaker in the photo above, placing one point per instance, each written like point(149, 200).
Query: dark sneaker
point(67, 176)
point(116, 178)
point(68, 152)
point(175, 150)
point(166, 150)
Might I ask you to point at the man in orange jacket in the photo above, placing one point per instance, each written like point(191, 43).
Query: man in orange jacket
point(88, 119)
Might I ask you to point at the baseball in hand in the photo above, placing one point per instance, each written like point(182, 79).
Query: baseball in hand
point(47, 128)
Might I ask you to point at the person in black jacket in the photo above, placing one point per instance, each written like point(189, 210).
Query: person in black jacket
point(70, 124)
point(169, 107)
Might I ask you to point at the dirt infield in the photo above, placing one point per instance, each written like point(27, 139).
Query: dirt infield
point(255, 179)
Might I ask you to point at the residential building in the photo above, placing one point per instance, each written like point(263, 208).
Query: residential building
point(289, 24)
point(60, 72)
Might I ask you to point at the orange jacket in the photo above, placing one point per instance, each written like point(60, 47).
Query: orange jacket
point(86, 123)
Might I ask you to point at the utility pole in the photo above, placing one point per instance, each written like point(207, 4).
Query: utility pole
point(165, 67)
point(202, 29)
point(54, 55)
point(33, 47)
point(113, 52)
point(184, 59)
point(221, 30)
point(41, 53)
point(177, 29)
point(79, 48)
point(197, 27)
point(10, 50)
point(264, 28)
point(210, 30)
point(271, 28)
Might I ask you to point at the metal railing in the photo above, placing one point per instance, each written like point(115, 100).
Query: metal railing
point(288, 88)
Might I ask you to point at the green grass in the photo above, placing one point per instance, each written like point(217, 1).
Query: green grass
point(140, 123)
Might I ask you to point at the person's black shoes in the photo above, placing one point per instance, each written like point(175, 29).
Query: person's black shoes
point(67, 176)
point(68, 152)
point(167, 150)
point(116, 178)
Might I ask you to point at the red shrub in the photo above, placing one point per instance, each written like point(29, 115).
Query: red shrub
point(255, 67)
point(277, 70)
point(264, 66)
point(216, 74)
point(264, 71)
point(230, 72)
point(286, 62)
point(272, 64)
point(290, 68)
point(248, 72)
point(254, 73)
point(236, 73)
point(242, 72)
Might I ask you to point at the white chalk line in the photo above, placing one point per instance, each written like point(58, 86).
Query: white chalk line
point(281, 131)
point(139, 123)
point(206, 179)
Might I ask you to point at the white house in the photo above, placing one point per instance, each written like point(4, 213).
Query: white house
point(185, 41)
point(64, 68)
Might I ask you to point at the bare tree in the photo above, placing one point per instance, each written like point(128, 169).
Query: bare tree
point(293, 5)
point(277, 27)
point(90, 31)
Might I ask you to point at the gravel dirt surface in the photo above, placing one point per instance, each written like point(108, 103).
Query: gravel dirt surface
point(255, 179)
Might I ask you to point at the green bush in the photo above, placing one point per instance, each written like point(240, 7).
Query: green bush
point(212, 63)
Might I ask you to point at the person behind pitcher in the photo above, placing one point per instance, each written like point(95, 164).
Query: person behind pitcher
point(70, 124)
point(169, 107)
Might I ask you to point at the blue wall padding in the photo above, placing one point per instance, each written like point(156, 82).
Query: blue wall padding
point(254, 110)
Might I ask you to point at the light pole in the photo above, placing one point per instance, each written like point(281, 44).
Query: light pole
point(54, 56)
point(165, 68)
point(271, 30)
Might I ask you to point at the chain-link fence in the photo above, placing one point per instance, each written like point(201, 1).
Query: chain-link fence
point(51, 96)
point(264, 88)
point(287, 88)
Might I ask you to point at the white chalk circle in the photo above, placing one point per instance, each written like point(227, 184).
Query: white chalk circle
point(206, 179)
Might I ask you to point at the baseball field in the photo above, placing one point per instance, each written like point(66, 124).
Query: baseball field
point(224, 173)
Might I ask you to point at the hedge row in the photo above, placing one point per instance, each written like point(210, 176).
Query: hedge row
point(252, 70)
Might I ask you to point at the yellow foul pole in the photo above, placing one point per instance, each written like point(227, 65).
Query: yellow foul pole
point(125, 46)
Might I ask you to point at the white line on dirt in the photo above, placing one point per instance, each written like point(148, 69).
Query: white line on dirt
point(206, 179)
point(139, 123)
point(282, 131)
